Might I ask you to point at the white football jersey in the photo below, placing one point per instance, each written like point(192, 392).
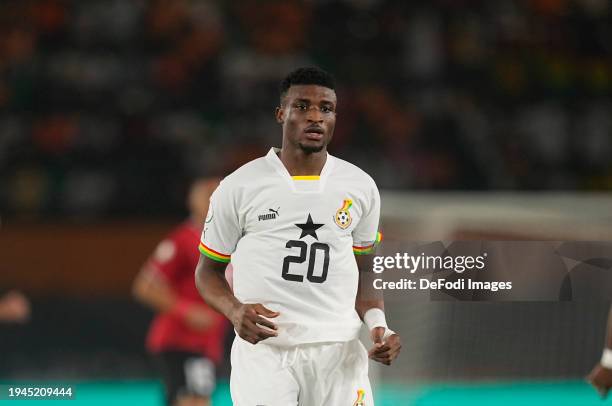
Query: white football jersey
point(292, 242)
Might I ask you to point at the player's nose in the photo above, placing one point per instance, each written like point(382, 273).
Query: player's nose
point(314, 115)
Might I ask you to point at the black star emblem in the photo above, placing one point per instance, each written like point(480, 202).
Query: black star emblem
point(309, 228)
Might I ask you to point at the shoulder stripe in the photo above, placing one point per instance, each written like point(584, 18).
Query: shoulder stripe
point(214, 255)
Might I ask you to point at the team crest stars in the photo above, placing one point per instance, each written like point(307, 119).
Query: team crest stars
point(309, 228)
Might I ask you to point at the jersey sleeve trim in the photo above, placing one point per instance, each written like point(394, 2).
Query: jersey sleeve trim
point(214, 255)
point(368, 249)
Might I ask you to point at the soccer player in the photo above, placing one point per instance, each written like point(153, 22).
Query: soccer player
point(186, 337)
point(601, 375)
point(298, 225)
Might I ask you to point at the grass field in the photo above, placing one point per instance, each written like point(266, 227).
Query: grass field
point(557, 393)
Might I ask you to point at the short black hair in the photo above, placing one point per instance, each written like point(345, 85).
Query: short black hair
point(307, 76)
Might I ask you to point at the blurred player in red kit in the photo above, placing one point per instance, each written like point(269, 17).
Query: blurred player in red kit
point(186, 337)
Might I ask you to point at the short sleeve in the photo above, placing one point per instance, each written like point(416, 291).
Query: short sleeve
point(366, 235)
point(166, 259)
point(222, 228)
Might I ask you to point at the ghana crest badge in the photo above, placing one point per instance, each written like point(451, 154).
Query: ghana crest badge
point(360, 398)
point(343, 217)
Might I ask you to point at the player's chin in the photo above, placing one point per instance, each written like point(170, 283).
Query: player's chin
point(311, 147)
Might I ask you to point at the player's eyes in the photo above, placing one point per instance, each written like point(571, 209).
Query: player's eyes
point(304, 107)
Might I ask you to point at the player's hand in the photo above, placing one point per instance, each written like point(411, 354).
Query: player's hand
point(387, 350)
point(14, 307)
point(251, 324)
point(198, 317)
point(601, 379)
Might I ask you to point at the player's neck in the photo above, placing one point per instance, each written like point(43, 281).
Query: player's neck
point(300, 163)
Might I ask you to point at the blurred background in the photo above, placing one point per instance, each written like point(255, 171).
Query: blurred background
point(478, 120)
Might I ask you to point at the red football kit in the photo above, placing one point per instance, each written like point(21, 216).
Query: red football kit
point(175, 260)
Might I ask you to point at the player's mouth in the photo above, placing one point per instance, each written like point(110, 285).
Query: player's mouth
point(314, 133)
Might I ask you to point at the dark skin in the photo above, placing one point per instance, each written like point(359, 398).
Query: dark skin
point(600, 377)
point(307, 115)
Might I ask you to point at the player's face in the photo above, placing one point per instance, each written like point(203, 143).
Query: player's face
point(308, 117)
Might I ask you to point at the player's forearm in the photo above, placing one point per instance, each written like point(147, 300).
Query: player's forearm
point(151, 291)
point(367, 296)
point(362, 305)
point(160, 300)
point(213, 287)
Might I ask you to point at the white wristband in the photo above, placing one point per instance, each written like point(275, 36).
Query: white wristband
point(388, 333)
point(375, 317)
point(606, 358)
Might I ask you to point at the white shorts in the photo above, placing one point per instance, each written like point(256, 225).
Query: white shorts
point(319, 374)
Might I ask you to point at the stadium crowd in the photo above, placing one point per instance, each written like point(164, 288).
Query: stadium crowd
point(108, 106)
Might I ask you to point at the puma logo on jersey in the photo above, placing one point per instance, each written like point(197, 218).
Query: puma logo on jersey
point(269, 216)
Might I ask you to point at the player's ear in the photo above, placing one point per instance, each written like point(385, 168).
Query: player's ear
point(280, 114)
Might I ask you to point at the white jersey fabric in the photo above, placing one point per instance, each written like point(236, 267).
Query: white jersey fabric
point(292, 242)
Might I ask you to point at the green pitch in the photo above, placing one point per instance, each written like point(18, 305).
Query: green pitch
point(557, 393)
